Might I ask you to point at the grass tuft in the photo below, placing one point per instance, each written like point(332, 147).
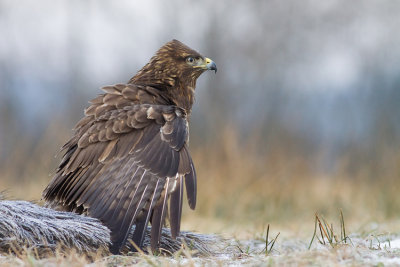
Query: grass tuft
point(269, 244)
point(327, 234)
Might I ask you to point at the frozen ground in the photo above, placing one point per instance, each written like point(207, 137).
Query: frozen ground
point(382, 250)
point(25, 225)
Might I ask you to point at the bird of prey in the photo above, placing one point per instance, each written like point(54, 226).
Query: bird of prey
point(128, 159)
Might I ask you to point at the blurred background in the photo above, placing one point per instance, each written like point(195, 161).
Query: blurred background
point(302, 116)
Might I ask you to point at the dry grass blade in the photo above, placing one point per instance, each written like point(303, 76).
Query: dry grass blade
point(187, 252)
point(269, 245)
point(149, 259)
point(343, 235)
point(324, 229)
point(315, 231)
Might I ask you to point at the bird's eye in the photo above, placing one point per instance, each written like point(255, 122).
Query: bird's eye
point(190, 59)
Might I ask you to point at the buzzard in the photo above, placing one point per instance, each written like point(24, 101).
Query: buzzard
point(128, 159)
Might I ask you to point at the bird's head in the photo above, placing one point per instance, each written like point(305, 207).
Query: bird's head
point(174, 63)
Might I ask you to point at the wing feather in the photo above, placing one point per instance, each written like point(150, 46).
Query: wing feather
point(158, 217)
point(191, 187)
point(74, 196)
point(110, 189)
point(128, 196)
point(140, 229)
point(175, 208)
point(120, 164)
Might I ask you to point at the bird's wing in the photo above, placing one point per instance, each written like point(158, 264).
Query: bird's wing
point(124, 161)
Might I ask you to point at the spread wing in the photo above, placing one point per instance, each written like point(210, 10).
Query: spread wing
point(128, 155)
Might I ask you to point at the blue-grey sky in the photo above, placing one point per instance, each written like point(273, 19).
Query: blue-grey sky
point(323, 70)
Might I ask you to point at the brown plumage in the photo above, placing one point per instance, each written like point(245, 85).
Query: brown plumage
point(129, 154)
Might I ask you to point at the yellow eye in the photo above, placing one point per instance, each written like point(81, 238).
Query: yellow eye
point(190, 60)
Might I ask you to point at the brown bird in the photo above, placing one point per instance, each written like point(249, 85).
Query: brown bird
point(129, 153)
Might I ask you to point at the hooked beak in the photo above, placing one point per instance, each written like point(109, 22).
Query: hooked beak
point(210, 65)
